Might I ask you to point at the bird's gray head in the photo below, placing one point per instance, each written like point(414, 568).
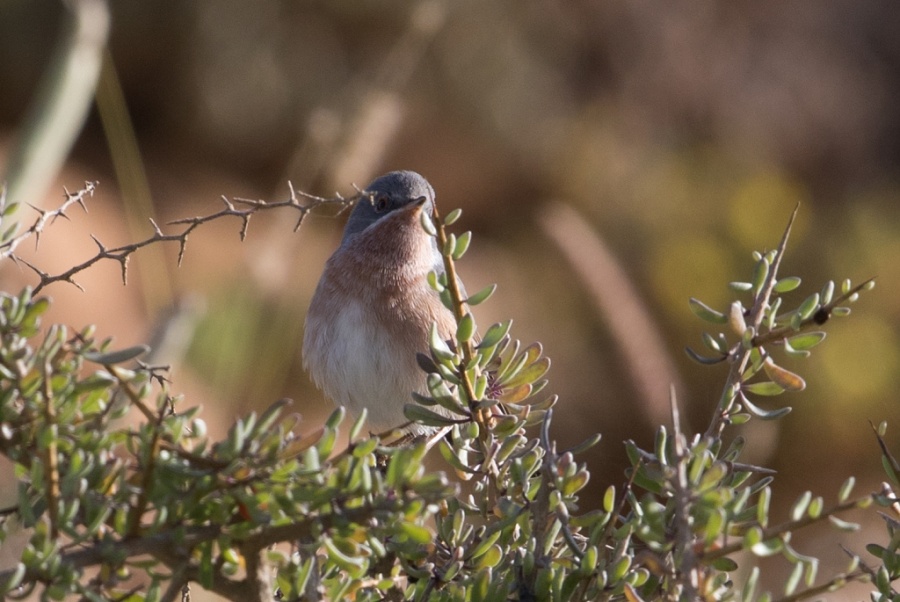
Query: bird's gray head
point(385, 195)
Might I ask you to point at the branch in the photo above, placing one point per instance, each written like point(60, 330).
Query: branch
point(459, 306)
point(243, 209)
point(757, 314)
point(8, 247)
point(51, 460)
point(173, 547)
point(790, 525)
point(687, 563)
point(817, 319)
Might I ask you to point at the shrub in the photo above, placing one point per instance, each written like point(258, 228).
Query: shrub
point(144, 509)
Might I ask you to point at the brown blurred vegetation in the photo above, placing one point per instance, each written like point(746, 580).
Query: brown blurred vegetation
point(683, 132)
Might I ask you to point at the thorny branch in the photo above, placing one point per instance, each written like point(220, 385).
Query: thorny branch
point(241, 208)
point(8, 246)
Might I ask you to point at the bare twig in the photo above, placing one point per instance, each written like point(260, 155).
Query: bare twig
point(8, 248)
point(243, 209)
point(131, 394)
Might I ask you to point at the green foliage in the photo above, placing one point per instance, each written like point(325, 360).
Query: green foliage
point(125, 497)
point(98, 496)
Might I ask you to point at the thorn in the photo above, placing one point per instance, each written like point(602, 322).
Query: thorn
point(89, 189)
point(124, 262)
point(787, 231)
point(182, 245)
point(318, 199)
point(72, 281)
point(346, 205)
point(303, 212)
point(58, 214)
point(98, 243)
point(228, 204)
point(676, 416)
point(42, 275)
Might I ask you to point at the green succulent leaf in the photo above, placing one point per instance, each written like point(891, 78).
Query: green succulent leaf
point(461, 245)
point(846, 489)
point(427, 224)
point(760, 273)
point(767, 548)
point(765, 388)
point(439, 346)
point(786, 285)
point(452, 217)
point(423, 415)
point(807, 340)
point(465, 330)
point(482, 295)
point(704, 312)
point(809, 305)
point(827, 293)
point(764, 414)
point(843, 525)
point(494, 334)
point(725, 563)
point(117, 357)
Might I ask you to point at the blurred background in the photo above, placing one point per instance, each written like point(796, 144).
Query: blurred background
point(613, 159)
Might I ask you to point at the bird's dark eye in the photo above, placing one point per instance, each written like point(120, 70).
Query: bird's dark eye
point(380, 204)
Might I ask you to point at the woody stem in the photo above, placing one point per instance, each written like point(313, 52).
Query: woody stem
point(459, 304)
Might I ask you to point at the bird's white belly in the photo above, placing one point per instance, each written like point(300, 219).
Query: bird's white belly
point(359, 372)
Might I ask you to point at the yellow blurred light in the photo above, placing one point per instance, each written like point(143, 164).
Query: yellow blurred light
point(686, 267)
point(761, 205)
point(863, 362)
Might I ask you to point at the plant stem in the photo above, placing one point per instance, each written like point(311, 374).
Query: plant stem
point(790, 525)
point(757, 313)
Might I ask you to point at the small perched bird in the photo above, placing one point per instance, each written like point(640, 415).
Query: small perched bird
point(373, 308)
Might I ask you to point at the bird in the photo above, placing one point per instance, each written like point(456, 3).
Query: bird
point(373, 309)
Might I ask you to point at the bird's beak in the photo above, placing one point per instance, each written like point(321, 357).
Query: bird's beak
point(415, 206)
